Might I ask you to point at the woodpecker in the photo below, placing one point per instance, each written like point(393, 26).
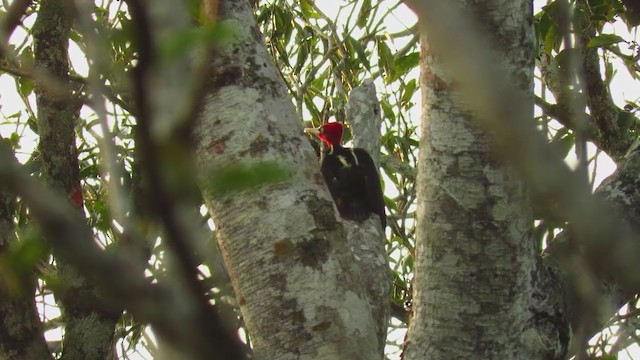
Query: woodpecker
point(350, 175)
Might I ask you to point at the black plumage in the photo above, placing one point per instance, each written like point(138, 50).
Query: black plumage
point(351, 176)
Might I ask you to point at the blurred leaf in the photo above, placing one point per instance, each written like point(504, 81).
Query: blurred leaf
point(607, 357)
point(28, 251)
point(625, 120)
point(241, 177)
point(563, 144)
point(14, 140)
point(18, 264)
point(26, 58)
point(604, 40)
point(180, 43)
point(91, 171)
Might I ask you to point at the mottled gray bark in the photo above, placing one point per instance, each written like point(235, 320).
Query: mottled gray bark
point(85, 318)
point(367, 240)
point(477, 275)
point(21, 333)
point(299, 291)
point(601, 245)
point(364, 115)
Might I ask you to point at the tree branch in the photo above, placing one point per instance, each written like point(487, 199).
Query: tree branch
point(614, 140)
point(560, 114)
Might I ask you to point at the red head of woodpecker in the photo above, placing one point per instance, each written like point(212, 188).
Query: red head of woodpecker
point(329, 133)
point(350, 175)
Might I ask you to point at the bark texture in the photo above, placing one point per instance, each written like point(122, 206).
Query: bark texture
point(476, 267)
point(367, 240)
point(21, 333)
point(601, 242)
point(364, 115)
point(56, 122)
point(299, 291)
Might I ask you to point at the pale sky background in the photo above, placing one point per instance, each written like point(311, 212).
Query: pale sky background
point(623, 88)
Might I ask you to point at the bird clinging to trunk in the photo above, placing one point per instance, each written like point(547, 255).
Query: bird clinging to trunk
point(350, 175)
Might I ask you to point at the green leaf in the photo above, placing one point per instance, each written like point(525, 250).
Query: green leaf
point(302, 57)
point(357, 47)
point(545, 31)
point(91, 171)
point(241, 177)
point(608, 357)
point(552, 39)
point(307, 10)
point(408, 92)
point(385, 60)
point(604, 40)
point(25, 86)
point(406, 63)
point(26, 57)
point(265, 13)
point(15, 140)
point(387, 109)
point(363, 14)
point(625, 120)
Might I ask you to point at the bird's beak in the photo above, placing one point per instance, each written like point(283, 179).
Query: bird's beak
point(312, 131)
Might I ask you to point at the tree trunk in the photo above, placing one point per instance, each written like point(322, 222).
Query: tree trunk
point(21, 333)
point(57, 116)
point(367, 240)
point(298, 288)
point(476, 263)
